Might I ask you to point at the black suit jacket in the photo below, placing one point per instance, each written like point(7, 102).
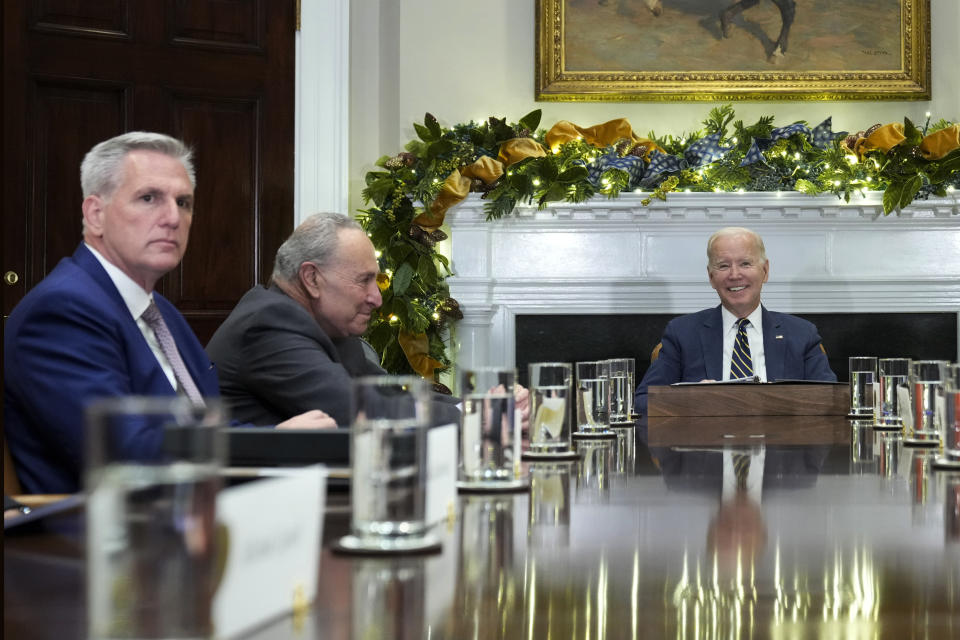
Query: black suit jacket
point(274, 362)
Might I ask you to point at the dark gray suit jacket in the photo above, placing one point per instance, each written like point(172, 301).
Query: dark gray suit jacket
point(275, 362)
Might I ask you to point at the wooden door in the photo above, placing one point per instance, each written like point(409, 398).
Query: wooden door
point(218, 74)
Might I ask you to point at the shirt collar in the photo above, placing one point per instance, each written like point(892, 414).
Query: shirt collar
point(136, 299)
point(729, 320)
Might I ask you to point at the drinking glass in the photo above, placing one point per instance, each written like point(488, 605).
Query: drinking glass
point(621, 392)
point(863, 375)
point(152, 475)
point(926, 380)
point(390, 416)
point(593, 397)
point(950, 424)
point(550, 410)
point(489, 434)
point(548, 525)
point(893, 373)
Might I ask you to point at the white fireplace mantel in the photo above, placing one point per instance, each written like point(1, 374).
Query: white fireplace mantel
point(619, 257)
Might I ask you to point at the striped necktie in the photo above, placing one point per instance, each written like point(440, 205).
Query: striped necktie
point(741, 365)
point(156, 322)
point(741, 469)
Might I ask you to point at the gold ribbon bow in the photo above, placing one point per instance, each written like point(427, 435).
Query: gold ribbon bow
point(417, 349)
point(936, 145)
point(455, 188)
point(599, 135)
point(882, 138)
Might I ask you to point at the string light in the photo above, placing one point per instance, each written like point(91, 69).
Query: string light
point(536, 182)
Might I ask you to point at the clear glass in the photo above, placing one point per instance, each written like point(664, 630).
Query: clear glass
point(550, 502)
point(152, 476)
point(926, 383)
point(388, 458)
point(593, 396)
point(550, 407)
point(951, 424)
point(489, 434)
point(621, 392)
point(893, 372)
point(863, 376)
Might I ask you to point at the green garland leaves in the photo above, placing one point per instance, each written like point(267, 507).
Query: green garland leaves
point(416, 299)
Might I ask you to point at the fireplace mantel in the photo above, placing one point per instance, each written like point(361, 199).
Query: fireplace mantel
point(610, 256)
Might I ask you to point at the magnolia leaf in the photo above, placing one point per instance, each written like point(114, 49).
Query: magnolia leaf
point(911, 133)
point(805, 186)
point(556, 191)
point(427, 270)
point(531, 121)
point(910, 190)
point(432, 125)
point(949, 165)
point(573, 174)
point(548, 168)
point(439, 147)
point(891, 197)
point(402, 278)
point(382, 160)
point(423, 132)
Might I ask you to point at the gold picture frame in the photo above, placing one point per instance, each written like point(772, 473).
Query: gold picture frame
point(622, 50)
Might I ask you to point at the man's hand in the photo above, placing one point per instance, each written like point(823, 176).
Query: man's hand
point(313, 419)
point(521, 398)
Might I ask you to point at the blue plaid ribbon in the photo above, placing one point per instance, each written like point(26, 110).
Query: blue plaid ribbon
point(633, 165)
point(821, 136)
point(702, 152)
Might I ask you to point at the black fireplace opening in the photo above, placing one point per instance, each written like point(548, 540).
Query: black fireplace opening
point(573, 338)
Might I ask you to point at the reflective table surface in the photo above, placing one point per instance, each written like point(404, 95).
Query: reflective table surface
point(846, 533)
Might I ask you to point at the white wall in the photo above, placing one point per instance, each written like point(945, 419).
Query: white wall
point(464, 60)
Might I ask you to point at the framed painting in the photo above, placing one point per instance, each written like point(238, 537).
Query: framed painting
point(699, 50)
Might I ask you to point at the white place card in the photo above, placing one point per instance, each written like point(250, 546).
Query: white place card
point(273, 530)
point(441, 472)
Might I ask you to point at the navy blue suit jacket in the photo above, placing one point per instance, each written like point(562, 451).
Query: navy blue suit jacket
point(693, 351)
point(70, 341)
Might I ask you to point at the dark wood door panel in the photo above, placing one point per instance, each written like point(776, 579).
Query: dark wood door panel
point(67, 119)
point(221, 263)
point(217, 73)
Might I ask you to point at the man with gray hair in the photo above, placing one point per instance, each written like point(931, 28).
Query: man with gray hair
point(739, 339)
point(94, 327)
point(295, 346)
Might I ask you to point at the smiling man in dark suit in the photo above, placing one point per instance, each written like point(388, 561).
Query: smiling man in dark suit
point(702, 346)
point(94, 327)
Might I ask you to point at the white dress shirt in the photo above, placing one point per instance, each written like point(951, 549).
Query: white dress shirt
point(754, 486)
point(137, 301)
point(754, 336)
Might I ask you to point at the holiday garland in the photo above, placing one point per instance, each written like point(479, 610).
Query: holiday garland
point(517, 163)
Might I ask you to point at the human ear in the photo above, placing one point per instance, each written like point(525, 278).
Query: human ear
point(310, 279)
point(93, 210)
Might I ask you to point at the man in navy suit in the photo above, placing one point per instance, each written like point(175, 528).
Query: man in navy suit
point(79, 334)
point(700, 346)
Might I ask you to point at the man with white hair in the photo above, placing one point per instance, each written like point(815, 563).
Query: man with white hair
point(95, 327)
point(739, 338)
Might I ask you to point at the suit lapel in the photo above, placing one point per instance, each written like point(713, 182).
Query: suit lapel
point(773, 347)
point(711, 342)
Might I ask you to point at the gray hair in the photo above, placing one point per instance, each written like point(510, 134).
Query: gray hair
point(102, 168)
point(315, 240)
point(727, 232)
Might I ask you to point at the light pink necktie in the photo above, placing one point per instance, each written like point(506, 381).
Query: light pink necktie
point(155, 321)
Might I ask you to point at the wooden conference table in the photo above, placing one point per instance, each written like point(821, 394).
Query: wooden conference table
point(850, 535)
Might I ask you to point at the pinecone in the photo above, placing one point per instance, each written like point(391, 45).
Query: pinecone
point(451, 308)
point(523, 133)
point(394, 163)
point(639, 151)
point(408, 158)
point(439, 387)
point(421, 236)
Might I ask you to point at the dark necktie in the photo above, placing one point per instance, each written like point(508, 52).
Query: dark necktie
point(741, 468)
point(155, 321)
point(741, 365)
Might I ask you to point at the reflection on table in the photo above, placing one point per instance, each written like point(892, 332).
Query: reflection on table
point(855, 535)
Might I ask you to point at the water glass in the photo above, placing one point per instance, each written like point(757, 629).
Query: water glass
point(950, 424)
point(593, 397)
point(388, 458)
point(863, 375)
point(548, 525)
point(926, 383)
point(152, 476)
point(621, 392)
point(893, 373)
point(550, 409)
point(489, 434)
